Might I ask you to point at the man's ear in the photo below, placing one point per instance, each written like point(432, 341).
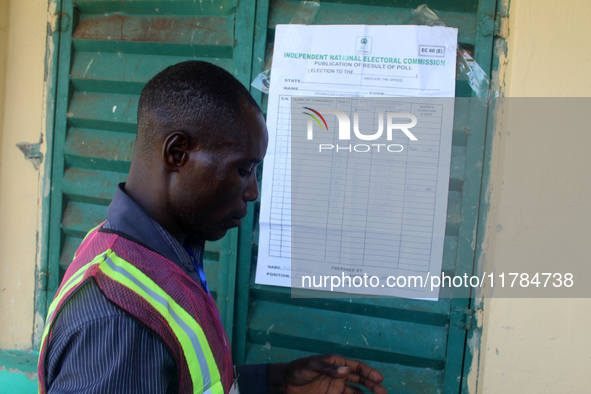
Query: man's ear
point(175, 150)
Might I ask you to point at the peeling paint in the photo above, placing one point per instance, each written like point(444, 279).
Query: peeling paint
point(29, 375)
point(52, 16)
point(32, 152)
point(503, 28)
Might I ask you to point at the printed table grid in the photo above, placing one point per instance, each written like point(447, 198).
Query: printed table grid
point(375, 210)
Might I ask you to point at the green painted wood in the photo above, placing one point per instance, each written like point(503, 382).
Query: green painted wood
point(108, 61)
point(123, 73)
point(109, 51)
point(391, 13)
point(245, 240)
point(350, 334)
point(454, 215)
point(155, 35)
point(55, 238)
point(470, 198)
point(95, 187)
point(458, 165)
point(260, 45)
point(243, 39)
point(99, 150)
point(400, 379)
point(111, 112)
point(438, 5)
point(159, 7)
point(68, 249)
point(424, 312)
point(78, 216)
point(241, 300)
point(241, 69)
point(42, 269)
point(473, 340)
point(226, 279)
point(311, 325)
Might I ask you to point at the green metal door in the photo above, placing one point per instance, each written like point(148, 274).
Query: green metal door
point(418, 345)
point(108, 50)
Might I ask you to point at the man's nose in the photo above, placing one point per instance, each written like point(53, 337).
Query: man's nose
point(252, 191)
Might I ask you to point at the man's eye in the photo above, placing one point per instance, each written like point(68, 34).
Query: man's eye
point(243, 172)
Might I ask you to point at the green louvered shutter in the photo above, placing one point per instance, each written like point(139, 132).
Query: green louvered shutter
point(418, 345)
point(108, 51)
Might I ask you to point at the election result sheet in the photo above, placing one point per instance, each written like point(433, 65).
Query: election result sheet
point(376, 212)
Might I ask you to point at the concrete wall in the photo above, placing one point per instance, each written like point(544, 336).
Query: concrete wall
point(23, 31)
point(540, 208)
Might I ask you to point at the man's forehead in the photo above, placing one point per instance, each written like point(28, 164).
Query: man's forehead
point(244, 150)
point(250, 127)
point(245, 146)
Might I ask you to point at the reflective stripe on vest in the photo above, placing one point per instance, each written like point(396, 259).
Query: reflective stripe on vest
point(70, 284)
point(204, 372)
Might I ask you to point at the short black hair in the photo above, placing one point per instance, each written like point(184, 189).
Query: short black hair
point(197, 97)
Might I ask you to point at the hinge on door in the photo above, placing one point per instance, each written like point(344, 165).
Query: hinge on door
point(463, 318)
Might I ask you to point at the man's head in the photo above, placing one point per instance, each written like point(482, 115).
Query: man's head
point(200, 137)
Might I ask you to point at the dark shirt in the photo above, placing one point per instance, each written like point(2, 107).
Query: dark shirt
point(96, 347)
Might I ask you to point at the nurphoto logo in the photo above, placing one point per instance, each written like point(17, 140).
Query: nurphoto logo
point(345, 129)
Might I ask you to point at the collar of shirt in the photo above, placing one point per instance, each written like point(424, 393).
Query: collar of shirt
point(125, 216)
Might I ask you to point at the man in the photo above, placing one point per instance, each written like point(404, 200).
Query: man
point(133, 313)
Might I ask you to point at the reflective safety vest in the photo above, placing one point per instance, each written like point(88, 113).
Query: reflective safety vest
point(160, 295)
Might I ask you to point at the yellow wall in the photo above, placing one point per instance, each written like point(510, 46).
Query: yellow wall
point(540, 208)
point(3, 49)
point(23, 31)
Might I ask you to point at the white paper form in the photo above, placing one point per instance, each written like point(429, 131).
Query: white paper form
point(357, 61)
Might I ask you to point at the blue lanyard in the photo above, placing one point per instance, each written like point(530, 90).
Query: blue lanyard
point(199, 267)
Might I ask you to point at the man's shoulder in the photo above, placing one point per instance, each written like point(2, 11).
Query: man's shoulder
point(88, 304)
point(96, 347)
